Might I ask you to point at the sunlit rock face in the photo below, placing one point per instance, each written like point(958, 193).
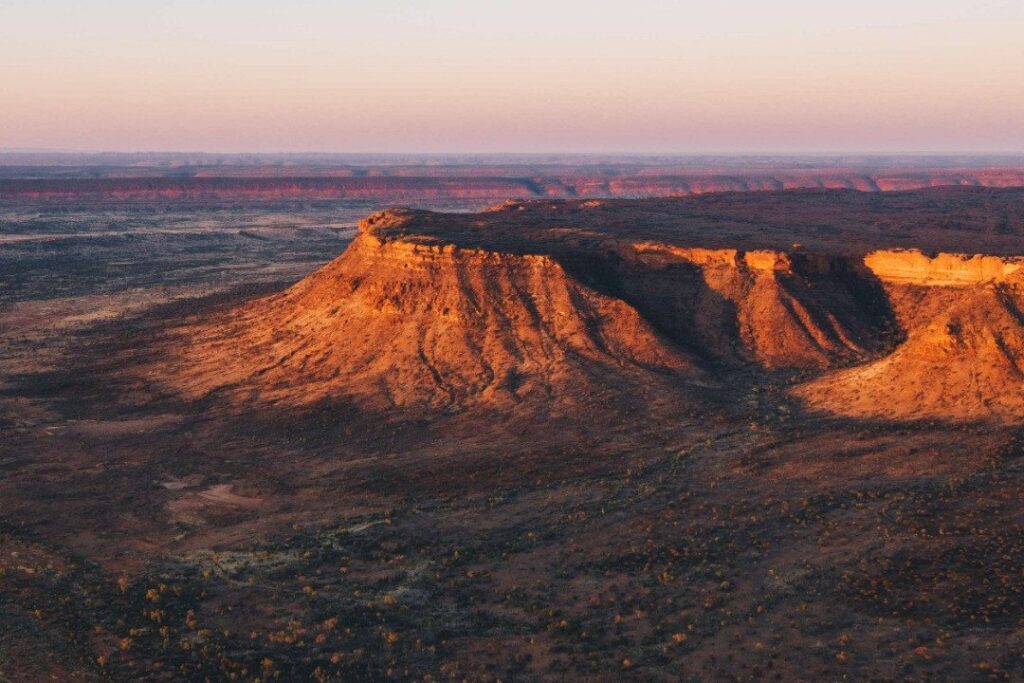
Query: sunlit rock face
point(544, 303)
point(943, 270)
point(963, 354)
point(407, 321)
point(964, 363)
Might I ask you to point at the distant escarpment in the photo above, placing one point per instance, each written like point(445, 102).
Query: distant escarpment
point(556, 303)
point(484, 183)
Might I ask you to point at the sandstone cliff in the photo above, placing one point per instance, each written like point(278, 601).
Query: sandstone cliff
point(406, 322)
point(964, 351)
point(944, 270)
point(551, 304)
point(769, 307)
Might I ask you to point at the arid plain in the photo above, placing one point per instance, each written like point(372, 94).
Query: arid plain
point(258, 421)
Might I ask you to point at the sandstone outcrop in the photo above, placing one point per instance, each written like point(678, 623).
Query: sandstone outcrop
point(775, 309)
point(966, 363)
point(419, 322)
point(912, 267)
point(675, 301)
point(964, 350)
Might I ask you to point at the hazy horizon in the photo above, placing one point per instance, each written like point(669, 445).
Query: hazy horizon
point(342, 155)
point(391, 76)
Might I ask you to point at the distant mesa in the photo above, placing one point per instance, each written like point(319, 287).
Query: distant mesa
point(494, 182)
point(552, 304)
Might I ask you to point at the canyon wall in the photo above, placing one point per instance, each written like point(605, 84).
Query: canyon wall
point(776, 309)
point(428, 183)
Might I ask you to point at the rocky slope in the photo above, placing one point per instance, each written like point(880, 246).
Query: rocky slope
point(775, 309)
point(963, 358)
point(552, 303)
point(407, 322)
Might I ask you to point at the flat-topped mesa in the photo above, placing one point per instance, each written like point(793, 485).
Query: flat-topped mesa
point(913, 267)
point(411, 320)
point(553, 302)
point(481, 184)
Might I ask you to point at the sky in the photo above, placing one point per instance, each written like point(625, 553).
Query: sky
point(643, 76)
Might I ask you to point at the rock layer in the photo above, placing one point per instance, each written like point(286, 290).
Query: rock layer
point(944, 270)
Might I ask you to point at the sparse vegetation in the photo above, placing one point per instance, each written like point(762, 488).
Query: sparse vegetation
point(148, 537)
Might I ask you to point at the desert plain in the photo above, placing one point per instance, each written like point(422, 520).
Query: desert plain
point(511, 419)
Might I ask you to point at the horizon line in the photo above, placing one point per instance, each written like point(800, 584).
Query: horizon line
point(5, 151)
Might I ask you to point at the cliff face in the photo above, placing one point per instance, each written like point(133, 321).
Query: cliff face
point(944, 270)
point(409, 322)
point(768, 307)
point(964, 351)
point(548, 304)
point(964, 363)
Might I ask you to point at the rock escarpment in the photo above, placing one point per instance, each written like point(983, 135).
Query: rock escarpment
point(775, 309)
point(433, 182)
point(553, 304)
point(912, 267)
point(406, 322)
point(963, 357)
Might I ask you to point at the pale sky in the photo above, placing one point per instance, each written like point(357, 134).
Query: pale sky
point(716, 76)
